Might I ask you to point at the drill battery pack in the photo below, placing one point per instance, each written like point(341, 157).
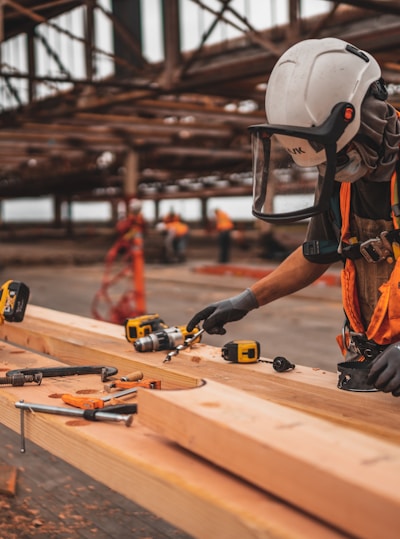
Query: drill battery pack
point(14, 297)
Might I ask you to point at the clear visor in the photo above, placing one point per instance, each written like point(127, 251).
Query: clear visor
point(283, 191)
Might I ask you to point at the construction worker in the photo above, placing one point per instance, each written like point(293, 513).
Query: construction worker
point(176, 235)
point(327, 109)
point(133, 223)
point(178, 232)
point(224, 226)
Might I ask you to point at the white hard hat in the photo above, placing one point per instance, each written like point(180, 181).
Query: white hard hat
point(306, 83)
point(135, 205)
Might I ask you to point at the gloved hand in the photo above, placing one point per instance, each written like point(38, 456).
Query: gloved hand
point(385, 371)
point(227, 310)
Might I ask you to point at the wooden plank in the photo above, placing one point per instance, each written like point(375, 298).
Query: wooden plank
point(187, 491)
point(321, 468)
point(77, 340)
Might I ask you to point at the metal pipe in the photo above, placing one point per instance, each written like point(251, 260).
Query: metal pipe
point(91, 415)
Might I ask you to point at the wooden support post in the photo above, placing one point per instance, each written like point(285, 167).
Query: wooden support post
point(89, 40)
point(1, 21)
point(131, 176)
point(204, 216)
point(57, 202)
point(172, 46)
point(31, 65)
point(129, 12)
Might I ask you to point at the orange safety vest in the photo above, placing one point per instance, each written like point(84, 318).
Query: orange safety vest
point(180, 229)
point(223, 221)
point(384, 326)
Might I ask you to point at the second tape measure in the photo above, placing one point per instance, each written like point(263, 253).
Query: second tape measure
point(241, 351)
point(249, 352)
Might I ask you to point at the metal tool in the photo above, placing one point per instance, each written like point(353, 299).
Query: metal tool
point(189, 341)
point(353, 376)
point(52, 372)
point(280, 364)
point(119, 384)
point(164, 339)
point(90, 415)
point(20, 379)
point(91, 403)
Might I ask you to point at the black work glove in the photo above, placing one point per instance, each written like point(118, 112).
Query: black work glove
point(227, 310)
point(385, 371)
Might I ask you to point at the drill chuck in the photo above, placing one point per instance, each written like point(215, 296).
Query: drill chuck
point(164, 339)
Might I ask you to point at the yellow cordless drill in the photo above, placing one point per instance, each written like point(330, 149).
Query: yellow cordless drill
point(140, 326)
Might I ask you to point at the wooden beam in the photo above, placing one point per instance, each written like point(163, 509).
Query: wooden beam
point(382, 6)
point(187, 491)
point(172, 43)
point(321, 468)
point(74, 339)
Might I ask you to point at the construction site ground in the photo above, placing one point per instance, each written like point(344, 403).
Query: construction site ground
point(54, 500)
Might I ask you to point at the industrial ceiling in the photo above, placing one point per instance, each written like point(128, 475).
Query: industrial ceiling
point(173, 128)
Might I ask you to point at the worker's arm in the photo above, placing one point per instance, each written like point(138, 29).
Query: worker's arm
point(293, 274)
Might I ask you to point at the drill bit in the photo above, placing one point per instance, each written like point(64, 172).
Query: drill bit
point(188, 342)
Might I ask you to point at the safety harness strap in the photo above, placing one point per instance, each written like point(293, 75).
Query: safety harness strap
point(374, 249)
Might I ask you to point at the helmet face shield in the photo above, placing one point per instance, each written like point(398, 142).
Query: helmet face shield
point(287, 185)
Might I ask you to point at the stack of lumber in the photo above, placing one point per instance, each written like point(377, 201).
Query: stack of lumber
point(223, 450)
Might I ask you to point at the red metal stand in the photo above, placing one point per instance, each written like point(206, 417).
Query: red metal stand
point(122, 292)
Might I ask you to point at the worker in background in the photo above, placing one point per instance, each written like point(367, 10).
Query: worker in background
point(178, 232)
point(131, 226)
point(176, 236)
point(224, 227)
point(326, 106)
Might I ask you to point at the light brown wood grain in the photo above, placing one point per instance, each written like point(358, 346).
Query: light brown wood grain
point(78, 340)
point(192, 494)
point(319, 467)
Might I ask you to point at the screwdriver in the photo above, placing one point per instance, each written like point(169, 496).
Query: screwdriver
point(150, 384)
point(92, 403)
point(132, 377)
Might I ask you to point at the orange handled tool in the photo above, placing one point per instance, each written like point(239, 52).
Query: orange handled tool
point(92, 403)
